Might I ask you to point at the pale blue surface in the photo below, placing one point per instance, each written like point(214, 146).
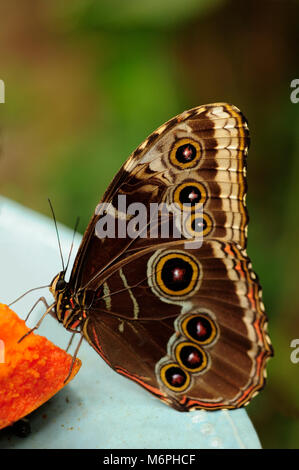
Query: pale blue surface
point(99, 408)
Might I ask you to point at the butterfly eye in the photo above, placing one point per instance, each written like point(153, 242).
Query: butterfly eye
point(189, 195)
point(191, 357)
point(177, 274)
point(199, 328)
point(174, 377)
point(60, 285)
point(185, 153)
point(199, 226)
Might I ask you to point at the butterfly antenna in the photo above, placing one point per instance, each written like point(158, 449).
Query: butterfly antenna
point(58, 239)
point(71, 249)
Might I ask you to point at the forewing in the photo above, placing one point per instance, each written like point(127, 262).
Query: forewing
point(158, 172)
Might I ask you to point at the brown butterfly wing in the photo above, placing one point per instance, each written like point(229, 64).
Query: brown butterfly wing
point(151, 175)
point(140, 325)
point(135, 324)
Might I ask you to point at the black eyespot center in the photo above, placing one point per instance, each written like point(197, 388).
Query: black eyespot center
point(177, 274)
point(200, 328)
point(199, 224)
point(175, 376)
point(191, 357)
point(186, 153)
point(190, 195)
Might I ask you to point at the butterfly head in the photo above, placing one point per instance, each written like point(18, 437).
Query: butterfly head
point(58, 285)
point(67, 309)
point(58, 289)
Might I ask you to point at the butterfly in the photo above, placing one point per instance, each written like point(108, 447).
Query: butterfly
point(183, 319)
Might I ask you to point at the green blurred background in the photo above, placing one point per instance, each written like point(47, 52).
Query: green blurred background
point(87, 81)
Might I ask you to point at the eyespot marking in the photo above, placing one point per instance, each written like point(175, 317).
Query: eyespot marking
point(174, 377)
point(191, 357)
point(175, 274)
point(190, 195)
point(199, 226)
point(185, 153)
point(199, 327)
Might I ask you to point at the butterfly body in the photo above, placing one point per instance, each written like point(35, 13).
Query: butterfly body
point(170, 301)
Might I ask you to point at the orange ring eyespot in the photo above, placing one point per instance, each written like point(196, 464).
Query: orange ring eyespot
point(198, 225)
point(177, 274)
point(190, 195)
point(191, 357)
point(185, 153)
point(199, 328)
point(174, 377)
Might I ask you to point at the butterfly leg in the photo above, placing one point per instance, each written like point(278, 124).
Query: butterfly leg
point(39, 321)
point(41, 299)
point(74, 356)
point(71, 340)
